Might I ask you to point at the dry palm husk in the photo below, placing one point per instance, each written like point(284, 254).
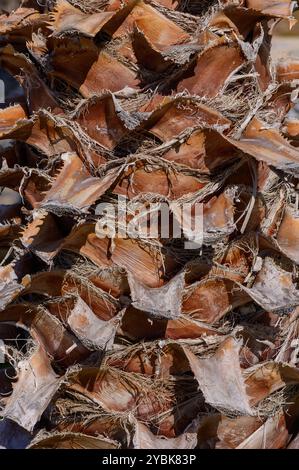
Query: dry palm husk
point(137, 342)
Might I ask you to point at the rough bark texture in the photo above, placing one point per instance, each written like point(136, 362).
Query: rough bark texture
point(177, 340)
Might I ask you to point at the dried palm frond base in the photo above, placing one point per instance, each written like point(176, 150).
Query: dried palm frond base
point(132, 341)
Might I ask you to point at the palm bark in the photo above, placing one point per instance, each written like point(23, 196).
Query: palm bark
point(117, 342)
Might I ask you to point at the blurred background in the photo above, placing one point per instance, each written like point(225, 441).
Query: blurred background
point(9, 4)
point(286, 41)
